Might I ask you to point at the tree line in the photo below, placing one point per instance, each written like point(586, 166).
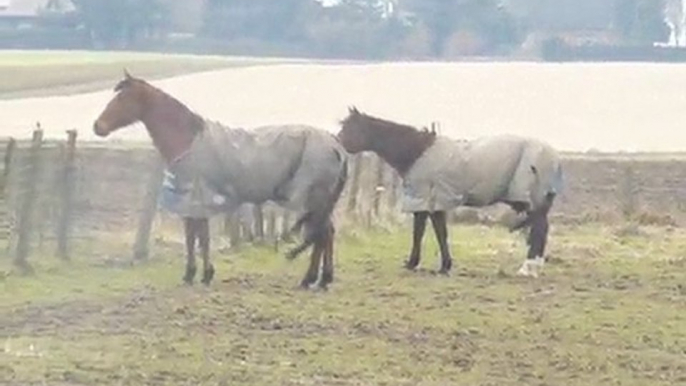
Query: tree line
point(350, 28)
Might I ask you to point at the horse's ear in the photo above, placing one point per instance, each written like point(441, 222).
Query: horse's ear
point(125, 82)
point(355, 110)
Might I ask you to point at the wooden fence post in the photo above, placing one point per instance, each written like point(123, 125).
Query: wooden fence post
point(258, 222)
point(141, 247)
point(9, 154)
point(286, 220)
point(271, 232)
point(436, 127)
point(379, 186)
point(66, 193)
point(28, 200)
point(394, 192)
point(355, 183)
point(628, 192)
point(246, 217)
point(4, 194)
point(232, 227)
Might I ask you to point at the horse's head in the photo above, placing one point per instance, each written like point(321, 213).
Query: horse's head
point(354, 135)
point(127, 106)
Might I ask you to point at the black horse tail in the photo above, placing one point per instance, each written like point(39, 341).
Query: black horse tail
point(537, 213)
point(316, 219)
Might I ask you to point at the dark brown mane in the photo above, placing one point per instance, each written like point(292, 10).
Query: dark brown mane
point(122, 84)
point(198, 123)
point(398, 144)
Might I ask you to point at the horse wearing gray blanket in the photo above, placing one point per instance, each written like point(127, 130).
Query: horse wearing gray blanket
point(297, 167)
point(440, 174)
point(214, 169)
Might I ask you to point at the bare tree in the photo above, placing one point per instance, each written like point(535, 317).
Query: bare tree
point(675, 17)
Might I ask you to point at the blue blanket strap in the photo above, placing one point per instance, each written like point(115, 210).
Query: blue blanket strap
point(171, 194)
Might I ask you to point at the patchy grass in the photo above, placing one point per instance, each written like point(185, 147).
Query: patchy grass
point(42, 73)
point(608, 311)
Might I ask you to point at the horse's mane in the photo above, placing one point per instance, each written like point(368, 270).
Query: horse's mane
point(381, 124)
point(399, 144)
point(195, 117)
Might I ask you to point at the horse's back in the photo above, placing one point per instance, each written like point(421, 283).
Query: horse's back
point(320, 163)
point(515, 169)
point(478, 173)
point(281, 162)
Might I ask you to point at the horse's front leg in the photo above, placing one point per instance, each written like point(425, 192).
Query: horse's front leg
point(189, 226)
point(440, 225)
point(204, 236)
point(418, 228)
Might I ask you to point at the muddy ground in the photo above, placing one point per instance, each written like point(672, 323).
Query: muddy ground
point(608, 310)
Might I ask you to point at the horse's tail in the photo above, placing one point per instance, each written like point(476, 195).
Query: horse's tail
point(556, 186)
point(316, 220)
point(536, 213)
point(340, 185)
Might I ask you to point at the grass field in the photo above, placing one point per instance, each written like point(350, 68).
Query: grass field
point(43, 73)
point(609, 310)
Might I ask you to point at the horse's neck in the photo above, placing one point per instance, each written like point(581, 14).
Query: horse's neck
point(172, 127)
point(398, 148)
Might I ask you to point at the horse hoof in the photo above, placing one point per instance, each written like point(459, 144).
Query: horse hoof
point(324, 284)
point(308, 281)
point(410, 266)
point(446, 267)
point(304, 285)
point(327, 278)
point(524, 272)
point(208, 276)
point(190, 275)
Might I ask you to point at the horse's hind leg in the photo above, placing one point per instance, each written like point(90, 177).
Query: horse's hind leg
point(315, 218)
point(537, 240)
point(315, 262)
point(204, 236)
point(418, 228)
point(439, 223)
point(327, 268)
point(538, 236)
point(190, 229)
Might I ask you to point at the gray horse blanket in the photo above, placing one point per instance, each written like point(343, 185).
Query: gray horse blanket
point(226, 167)
point(482, 172)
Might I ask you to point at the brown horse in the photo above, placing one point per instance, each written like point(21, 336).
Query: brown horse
point(439, 174)
point(216, 169)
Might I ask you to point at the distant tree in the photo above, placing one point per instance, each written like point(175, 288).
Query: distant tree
point(185, 15)
point(121, 23)
point(269, 20)
point(484, 19)
point(358, 28)
point(674, 18)
point(641, 21)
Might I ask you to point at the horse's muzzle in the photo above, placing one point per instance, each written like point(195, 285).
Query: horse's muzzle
point(99, 130)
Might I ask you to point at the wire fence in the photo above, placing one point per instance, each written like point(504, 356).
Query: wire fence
point(58, 194)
